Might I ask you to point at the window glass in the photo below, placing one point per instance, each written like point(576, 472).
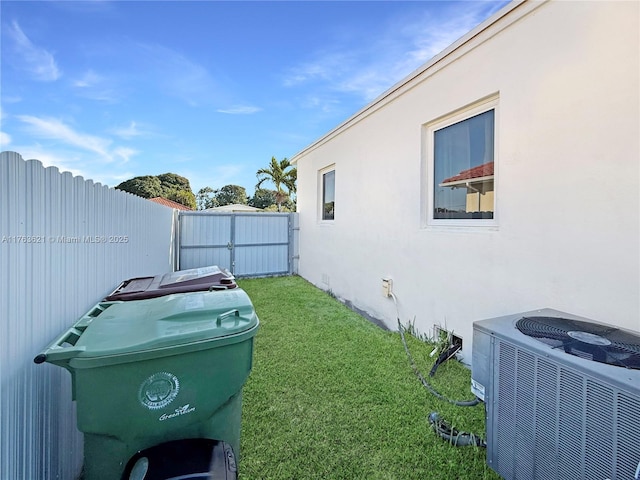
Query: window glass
point(463, 164)
point(328, 195)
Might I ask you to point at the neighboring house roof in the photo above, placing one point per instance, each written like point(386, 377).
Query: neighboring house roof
point(234, 207)
point(479, 173)
point(169, 203)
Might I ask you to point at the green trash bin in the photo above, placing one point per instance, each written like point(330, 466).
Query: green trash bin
point(150, 371)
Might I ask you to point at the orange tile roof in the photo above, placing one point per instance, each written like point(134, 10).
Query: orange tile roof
point(169, 203)
point(484, 170)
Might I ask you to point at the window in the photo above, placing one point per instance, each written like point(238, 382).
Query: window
point(462, 167)
point(328, 194)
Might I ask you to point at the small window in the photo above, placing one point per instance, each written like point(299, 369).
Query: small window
point(463, 167)
point(328, 195)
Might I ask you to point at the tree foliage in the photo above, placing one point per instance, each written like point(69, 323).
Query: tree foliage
point(168, 185)
point(172, 181)
point(263, 198)
point(147, 186)
point(228, 195)
point(206, 198)
point(283, 175)
point(231, 194)
point(183, 197)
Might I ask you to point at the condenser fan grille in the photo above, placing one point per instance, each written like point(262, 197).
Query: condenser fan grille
point(600, 343)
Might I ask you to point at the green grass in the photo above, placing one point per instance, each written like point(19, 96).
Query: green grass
point(332, 396)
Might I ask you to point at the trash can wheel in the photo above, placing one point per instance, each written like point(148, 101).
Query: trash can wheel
point(197, 458)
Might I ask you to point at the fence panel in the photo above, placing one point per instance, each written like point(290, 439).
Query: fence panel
point(65, 243)
point(205, 240)
point(247, 244)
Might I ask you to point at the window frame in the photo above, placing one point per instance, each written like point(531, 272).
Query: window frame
point(428, 176)
point(321, 176)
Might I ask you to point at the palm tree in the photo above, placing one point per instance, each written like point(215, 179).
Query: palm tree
point(281, 174)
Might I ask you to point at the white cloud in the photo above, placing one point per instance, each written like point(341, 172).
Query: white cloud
point(5, 140)
point(324, 103)
point(327, 66)
point(62, 160)
point(54, 129)
point(125, 153)
point(90, 156)
point(78, 164)
point(240, 110)
point(39, 62)
point(93, 86)
point(130, 131)
point(432, 34)
point(89, 79)
point(179, 76)
point(401, 47)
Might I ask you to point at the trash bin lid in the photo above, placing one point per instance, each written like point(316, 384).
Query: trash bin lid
point(192, 280)
point(121, 332)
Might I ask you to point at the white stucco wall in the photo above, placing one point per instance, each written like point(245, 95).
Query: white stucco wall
point(567, 179)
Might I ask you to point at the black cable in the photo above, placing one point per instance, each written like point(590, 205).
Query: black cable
point(443, 357)
point(459, 403)
point(453, 436)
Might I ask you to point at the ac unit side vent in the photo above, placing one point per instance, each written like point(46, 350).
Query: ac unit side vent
point(550, 421)
point(627, 445)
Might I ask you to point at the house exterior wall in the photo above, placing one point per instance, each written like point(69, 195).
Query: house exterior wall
point(566, 229)
point(65, 243)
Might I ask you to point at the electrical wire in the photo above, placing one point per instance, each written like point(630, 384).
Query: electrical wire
point(433, 391)
point(453, 436)
point(443, 357)
point(448, 433)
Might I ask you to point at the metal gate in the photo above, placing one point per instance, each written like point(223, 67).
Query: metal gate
point(247, 244)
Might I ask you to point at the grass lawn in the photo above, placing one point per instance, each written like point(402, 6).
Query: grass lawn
point(333, 396)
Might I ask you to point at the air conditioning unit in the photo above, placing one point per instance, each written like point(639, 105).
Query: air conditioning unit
point(562, 396)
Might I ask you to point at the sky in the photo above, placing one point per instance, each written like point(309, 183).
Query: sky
point(209, 90)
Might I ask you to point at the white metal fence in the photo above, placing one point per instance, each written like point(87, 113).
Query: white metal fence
point(65, 242)
point(247, 244)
